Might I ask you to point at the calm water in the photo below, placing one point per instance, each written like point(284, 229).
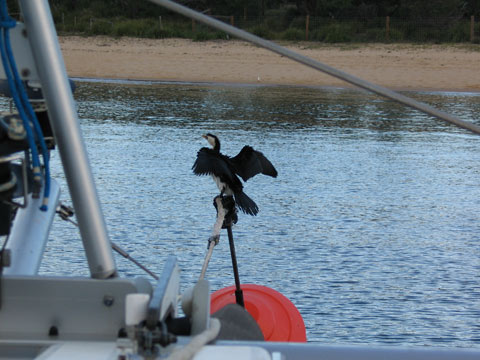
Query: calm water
point(371, 228)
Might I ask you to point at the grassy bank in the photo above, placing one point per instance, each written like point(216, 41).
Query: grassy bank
point(313, 29)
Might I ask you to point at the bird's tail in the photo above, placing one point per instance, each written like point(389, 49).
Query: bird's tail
point(246, 204)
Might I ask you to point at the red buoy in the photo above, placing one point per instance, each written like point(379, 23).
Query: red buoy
point(277, 317)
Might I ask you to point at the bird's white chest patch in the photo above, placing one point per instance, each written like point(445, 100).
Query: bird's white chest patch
point(222, 186)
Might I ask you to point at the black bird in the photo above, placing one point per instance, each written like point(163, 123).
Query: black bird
point(224, 170)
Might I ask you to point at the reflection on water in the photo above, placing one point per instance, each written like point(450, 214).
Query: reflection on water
point(371, 228)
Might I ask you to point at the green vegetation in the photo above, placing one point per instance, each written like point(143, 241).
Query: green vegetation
point(329, 21)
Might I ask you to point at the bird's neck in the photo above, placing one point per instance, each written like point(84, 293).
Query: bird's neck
point(217, 147)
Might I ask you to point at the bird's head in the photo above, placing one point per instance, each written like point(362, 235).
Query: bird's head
point(213, 141)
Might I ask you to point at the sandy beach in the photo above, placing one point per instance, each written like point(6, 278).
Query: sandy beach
point(397, 66)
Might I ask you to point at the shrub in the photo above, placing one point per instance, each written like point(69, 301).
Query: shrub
point(460, 32)
point(333, 33)
point(298, 22)
point(274, 23)
point(373, 35)
point(208, 35)
point(293, 34)
point(277, 19)
point(262, 31)
point(167, 32)
point(396, 35)
point(290, 13)
point(181, 29)
point(136, 28)
point(100, 27)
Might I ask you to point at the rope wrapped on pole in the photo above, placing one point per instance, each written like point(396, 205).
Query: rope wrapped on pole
point(215, 238)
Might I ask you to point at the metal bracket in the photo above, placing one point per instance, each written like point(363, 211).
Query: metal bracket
point(164, 297)
point(23, 55)
point(20, 171)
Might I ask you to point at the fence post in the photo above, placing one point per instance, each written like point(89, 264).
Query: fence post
point(193, 26)
point(307, 25)
point(160, 21)
point(232, 21)
point(387, 29)
point(472, 29)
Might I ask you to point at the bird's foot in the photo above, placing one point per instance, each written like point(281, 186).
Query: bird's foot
point(228, 204)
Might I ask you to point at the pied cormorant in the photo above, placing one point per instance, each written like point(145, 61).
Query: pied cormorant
point(224, 170)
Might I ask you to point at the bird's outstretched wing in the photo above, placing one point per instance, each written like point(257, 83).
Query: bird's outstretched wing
point(208, 163)
point(250, 162)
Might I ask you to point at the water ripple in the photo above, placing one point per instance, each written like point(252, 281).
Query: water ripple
point(371, 228)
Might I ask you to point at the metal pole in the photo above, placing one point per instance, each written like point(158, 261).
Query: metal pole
point(377, 89)
point(472, 28)
point(387, 28)
point(307, 25)
point(63, 117)
point(238, 289)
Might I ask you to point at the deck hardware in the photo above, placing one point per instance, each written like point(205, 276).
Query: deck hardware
point(108, 300)
point(53, 331)
point(5, 258)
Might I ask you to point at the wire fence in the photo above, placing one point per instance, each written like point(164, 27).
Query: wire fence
point(310, 28)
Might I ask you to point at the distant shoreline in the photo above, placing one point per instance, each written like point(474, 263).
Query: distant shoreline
point(396, 66)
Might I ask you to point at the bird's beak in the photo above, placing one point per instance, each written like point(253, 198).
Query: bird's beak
point(204, 136)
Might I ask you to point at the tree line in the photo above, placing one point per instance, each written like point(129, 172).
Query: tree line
point(337, 9)
point(332, 21)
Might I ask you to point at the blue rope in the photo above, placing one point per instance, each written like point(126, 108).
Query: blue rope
point(22, 103)
point(34, 120)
